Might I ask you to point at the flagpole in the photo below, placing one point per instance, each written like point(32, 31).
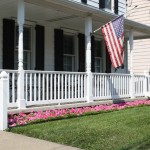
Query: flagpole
point(102, 25)
point(97, 29)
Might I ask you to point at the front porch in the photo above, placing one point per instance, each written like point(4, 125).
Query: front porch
point(80, 72)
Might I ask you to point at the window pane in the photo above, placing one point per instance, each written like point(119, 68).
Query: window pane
point(68, 53)
point(98, 65)
point(98, 49)
point(68, 44)
point(27, 38)
point(108, 4)
point(68, 63)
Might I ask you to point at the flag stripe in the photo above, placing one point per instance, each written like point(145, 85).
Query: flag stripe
point(117, 46)
point(108, 47)
point(113, 33)
point(114, 46)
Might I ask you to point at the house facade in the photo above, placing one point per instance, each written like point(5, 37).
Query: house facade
point(51, 54)
point(54, 39)
point(140, 11)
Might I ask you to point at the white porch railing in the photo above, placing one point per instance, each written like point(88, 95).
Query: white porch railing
point(50, 87)
point(148, 86)
point(139, 85)
point(12, 84)
point(109, 86)
point(54, 87)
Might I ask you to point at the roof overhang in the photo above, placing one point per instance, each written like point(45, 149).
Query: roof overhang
point(141, 31)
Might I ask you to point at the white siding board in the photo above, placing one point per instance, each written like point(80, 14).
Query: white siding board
point(141, 14)
point(121, 7)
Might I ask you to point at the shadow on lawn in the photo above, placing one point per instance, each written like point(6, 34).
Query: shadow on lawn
point(142, 145)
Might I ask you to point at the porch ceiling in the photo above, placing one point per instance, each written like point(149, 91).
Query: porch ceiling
point(70, 13)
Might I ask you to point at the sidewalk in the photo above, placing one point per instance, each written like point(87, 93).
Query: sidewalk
point(11, 141)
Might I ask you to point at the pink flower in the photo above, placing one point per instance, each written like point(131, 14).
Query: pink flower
point(23, 118)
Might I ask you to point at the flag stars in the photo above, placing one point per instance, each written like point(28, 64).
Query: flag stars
point(118, 26)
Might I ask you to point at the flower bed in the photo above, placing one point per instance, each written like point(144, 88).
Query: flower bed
point(27, 118)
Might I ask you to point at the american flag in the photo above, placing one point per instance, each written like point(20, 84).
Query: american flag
point(113, 33)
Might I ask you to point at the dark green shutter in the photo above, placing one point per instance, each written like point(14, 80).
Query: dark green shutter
point(81, 52)
point(92, 54)
point(8, 43)
point(40, 38)
point(58, 47)
point(101, 3)
point(84, 1)
point(108, 62)
point(116, 6)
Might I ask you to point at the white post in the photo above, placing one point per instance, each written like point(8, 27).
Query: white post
point(131, 38)
point(88, 31)
point(20, 91)
point(3, 100)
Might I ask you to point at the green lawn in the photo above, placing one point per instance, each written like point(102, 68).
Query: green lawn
point(127, 129)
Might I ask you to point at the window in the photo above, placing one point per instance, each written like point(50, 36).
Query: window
point(69, 56)
point(107, 5)
point(27, 46)
point(98, 56)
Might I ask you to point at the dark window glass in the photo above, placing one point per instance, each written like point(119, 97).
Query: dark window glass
point(69, 56)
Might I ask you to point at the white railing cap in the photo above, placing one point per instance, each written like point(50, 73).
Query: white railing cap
point(3, 74)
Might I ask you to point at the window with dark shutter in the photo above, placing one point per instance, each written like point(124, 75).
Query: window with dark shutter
point(81, 48)
point(58, 47)
point(8, 43)
point(39, 47)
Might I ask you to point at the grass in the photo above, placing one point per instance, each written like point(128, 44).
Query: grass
point(127, 129)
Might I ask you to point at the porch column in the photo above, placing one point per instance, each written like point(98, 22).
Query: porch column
point(20, 89)
point(131, 42)
point(88, 31)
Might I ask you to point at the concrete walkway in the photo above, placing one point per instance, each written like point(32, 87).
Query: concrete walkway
point(11, 141)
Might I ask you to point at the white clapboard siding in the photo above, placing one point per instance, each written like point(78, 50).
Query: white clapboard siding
point(141, 14)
